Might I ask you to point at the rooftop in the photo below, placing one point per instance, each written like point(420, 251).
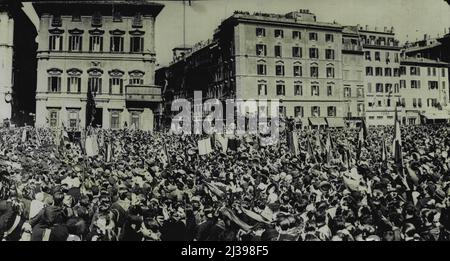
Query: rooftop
point(103, 6)
point(422, 60)
point(301, 17)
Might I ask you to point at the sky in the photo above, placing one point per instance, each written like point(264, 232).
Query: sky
point(411, 18)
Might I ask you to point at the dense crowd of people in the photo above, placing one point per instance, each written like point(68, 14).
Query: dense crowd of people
point(156, 187)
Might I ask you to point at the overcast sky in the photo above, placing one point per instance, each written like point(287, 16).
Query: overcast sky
point(410, 18)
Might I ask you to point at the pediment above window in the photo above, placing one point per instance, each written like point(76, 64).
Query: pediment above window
point(137, 32)
point(54, 71)
point(136, 73)
point(74, 72)
point(261, 61)
point(117, 32)
point(95, 72)
point(76, 31)
point(96, 31)
point(56, 31)
point(116, 73)
point(314, 64)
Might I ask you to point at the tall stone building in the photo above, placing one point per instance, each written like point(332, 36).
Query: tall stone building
point(17, 64)
point(352, 75)
point(292, 58)
point(107, 47)
point(382, 74)
point(424, 90)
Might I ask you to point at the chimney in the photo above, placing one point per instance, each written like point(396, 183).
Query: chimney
point(367, 27)
point(376, 28)
point(385, 29)
point(392, 29)
point(425, 36)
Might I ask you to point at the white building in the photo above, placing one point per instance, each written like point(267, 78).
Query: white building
point(105, 47)
point(423, 89)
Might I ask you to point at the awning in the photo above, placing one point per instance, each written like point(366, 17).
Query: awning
point(304, 121)
point(336, 122)
point(318, 121)
point(439, 115)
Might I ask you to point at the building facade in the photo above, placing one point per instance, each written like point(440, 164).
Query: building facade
point(424, 90)
point(105, 48)
point(291, 58)
point(17, 64)
point(321, 73)
point(382, 74)
point(352, 75)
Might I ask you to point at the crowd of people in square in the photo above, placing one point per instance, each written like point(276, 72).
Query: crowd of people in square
point(154, 186)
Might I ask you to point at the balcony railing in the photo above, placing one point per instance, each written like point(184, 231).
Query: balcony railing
point(143, 93)
point(352, 47)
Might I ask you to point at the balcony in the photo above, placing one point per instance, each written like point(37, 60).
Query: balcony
point(352, 47)
point(143, 94)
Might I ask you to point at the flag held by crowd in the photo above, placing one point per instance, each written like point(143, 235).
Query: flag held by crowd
point(293, 143)
point(91, 146)
point(204, 147)
point(397, 142)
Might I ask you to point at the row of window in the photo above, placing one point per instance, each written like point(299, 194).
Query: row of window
point(96, 43)
point(261, 69)
point(94, 83)
point(315, 111)
point(416, 84)
point(261, 50)
point(74, 118)
point(377, 56)
point(296, 35)
point(384, 88)
point(97, 19)
point(315, 90)
point(415, 70)
point(379, 71)
point(416, 103)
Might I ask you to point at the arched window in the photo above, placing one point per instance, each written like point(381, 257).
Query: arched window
point(116, 82)
point(55, 41)
point(54, 80)
point(74, 80)
point(95, 81)
point(96, 40)
point(136, 77)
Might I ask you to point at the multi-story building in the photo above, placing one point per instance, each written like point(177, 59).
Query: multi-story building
point(431, 48)
point(382, 74)
point(352, 75)
point(107, 48)
point(17, 64)
point(424, 90)
point(291, 58)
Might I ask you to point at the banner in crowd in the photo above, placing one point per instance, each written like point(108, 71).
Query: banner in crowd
point(24, 136)
point(204, 147)
point(91, 146)
point(293, 143)
point(223, 142)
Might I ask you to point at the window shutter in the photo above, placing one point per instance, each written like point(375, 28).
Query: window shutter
point(110, 85)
